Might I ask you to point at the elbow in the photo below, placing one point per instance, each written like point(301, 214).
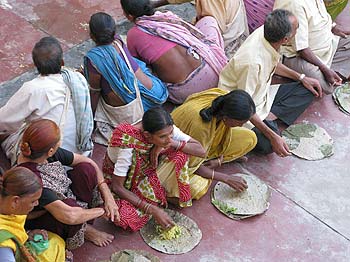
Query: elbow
point(202, 154)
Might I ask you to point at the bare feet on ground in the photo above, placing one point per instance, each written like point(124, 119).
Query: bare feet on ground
point(98, 237)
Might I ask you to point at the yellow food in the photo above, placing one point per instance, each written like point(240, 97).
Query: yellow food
point(169, 234)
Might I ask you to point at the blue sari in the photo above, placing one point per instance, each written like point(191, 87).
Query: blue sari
point(115, 70)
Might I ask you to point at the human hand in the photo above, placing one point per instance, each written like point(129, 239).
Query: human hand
point(161, 217)
point(236, 182)
point(214, 163)
point(339, 31)
point(111, 210)
point(154, 154)
point(279, 146)
point(313, 85)
point(34, 232)
point(331, 76)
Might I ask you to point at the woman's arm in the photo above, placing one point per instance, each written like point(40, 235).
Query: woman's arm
point(159, 215)
point(72, 215)
point(192, 147)
point(95, 87)
point(109, 203)
point(233, 181)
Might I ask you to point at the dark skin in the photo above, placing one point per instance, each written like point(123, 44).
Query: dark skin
point(331, 76)
point(175, 58)
point(112, 98)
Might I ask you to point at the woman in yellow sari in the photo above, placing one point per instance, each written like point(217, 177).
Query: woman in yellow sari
point(20, 190)
point(214, 118)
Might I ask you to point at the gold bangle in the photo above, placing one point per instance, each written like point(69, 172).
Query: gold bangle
point(212, 175)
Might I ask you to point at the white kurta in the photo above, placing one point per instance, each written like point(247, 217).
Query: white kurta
point(315, 29)
point(251, 70)
point(42, 97)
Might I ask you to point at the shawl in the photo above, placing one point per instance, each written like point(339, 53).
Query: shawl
point(170, 27)
point(115, 70)
point(82, 108)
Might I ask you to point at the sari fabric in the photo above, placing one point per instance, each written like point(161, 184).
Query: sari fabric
point(170, 27)
point(115, 70)
point(143, 179)
point(335, 7)
point(14, 224)
point(216, 138)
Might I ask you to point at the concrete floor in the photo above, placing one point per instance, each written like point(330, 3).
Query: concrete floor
point(309, 215)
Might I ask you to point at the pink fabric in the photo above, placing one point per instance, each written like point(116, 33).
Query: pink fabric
point(210, 28)
point(202, 78)
point(150, 49)
point(169, 26)
point(257, 11)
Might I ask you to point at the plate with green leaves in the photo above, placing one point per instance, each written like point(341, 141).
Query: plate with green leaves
point(308, 141)
point(341, 96)
point(240, 205)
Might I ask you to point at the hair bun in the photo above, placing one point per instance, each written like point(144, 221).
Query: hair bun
point(25, 148)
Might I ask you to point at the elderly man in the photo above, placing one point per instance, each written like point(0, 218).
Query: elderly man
point(316, 49)
point(59, 95)
point(251, 69)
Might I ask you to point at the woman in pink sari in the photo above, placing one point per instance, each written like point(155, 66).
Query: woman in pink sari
point(188, 58)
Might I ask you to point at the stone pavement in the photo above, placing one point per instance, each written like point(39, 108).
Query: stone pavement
point(309, 216)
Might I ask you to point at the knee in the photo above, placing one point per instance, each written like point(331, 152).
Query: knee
point(82, 169)
point(247, 138)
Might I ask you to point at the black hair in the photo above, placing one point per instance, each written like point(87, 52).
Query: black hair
point(237, 105)
point(277, 25)
point(137, 8)
point(47, 56)
point(155, 119)
point(102, 27)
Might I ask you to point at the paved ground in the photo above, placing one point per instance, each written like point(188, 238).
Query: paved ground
point(309, 215)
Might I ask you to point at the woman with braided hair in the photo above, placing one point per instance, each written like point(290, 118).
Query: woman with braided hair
point(214, 118)
point(20, 190)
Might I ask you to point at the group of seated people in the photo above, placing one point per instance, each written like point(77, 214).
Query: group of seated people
point(225, 108)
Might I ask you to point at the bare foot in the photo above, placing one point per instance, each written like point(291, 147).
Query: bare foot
point(97, 237)
point(69, 256)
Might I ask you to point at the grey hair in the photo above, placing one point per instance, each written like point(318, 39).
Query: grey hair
point(277, 25)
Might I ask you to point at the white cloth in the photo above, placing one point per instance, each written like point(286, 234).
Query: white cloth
point(122, 157)
point(42, 97)
point(315, 29)
point(251, 70)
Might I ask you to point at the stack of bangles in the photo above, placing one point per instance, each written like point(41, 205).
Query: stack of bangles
point(143, 205)
point(180, 145)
